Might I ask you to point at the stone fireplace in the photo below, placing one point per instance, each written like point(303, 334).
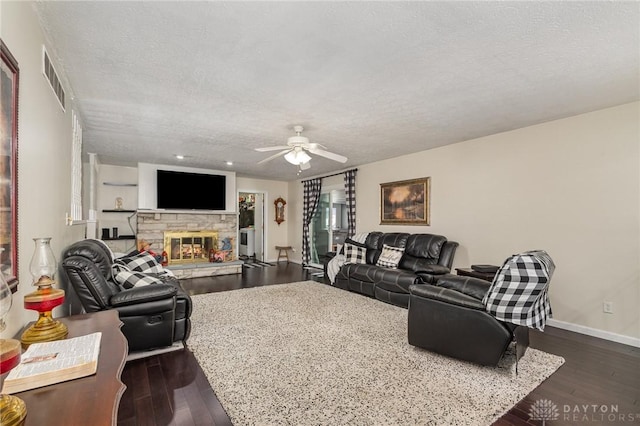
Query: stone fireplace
point(193, 235)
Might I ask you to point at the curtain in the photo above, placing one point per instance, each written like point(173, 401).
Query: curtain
point(350, 194)
point(311, 197)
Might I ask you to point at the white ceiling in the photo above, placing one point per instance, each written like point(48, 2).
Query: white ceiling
point(369, 80)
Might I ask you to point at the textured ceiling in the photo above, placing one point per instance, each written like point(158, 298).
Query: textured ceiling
point(369, 80)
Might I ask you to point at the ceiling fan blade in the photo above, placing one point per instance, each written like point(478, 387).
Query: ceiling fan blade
point(329, 155)
point(305, 166)
point(316, 145)
point(272, 148)
point(274, 156)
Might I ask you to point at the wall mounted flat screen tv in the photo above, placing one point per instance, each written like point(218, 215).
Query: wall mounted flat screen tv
point(191, 191)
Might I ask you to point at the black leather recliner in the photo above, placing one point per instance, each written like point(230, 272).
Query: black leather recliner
point(449, 318)
point(153, 316)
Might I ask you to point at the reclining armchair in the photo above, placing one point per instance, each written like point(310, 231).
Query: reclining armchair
point(475, 320)
point(449, 318)
point(153, 316)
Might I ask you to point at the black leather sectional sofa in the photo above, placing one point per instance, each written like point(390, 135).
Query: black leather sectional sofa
point(426, 257)
point(446, 312)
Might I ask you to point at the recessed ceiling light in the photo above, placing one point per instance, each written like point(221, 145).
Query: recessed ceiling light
point(229, 163)
point(180, 157)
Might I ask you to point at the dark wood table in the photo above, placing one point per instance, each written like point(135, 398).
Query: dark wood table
point(468, 272)
point(91, 400)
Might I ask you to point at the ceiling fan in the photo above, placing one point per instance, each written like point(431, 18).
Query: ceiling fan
point(295, 151)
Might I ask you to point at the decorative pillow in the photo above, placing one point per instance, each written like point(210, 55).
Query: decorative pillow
point(141, 262)
point(130, 279)
point(390, 257)
point(354, 254)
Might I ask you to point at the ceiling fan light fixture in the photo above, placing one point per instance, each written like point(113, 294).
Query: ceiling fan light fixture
point(297, 157)
point(295, 152)
point(292, 157)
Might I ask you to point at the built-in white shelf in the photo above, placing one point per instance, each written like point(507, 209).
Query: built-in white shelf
point(119, 184)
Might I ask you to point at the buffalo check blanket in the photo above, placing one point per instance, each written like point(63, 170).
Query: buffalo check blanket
point(336, 263)
point(519, 292)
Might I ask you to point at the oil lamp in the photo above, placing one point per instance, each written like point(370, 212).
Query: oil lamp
point(12, 409)
point(43, 268)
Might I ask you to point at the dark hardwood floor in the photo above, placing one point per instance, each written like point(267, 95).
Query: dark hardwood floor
point(171, 389)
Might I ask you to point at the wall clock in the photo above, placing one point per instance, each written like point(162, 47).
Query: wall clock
point(279, 203)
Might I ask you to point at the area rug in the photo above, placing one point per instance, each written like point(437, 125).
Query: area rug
point(310, 354)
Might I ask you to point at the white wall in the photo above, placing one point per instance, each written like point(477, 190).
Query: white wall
point(276, 235)
point(570, 187)
point(44, 153)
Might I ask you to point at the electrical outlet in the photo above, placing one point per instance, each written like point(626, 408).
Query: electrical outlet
point(607, 307)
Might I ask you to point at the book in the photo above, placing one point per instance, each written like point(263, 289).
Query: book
point(47, 363)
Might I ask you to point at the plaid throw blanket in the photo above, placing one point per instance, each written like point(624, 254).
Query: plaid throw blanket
point(519, 292)
point(334, 265)
point(138, 270)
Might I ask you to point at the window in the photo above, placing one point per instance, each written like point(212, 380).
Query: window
point(76, 170)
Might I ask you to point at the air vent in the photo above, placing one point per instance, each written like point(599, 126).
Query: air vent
point(52, 77)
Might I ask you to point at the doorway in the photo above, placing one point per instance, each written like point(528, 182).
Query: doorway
point(329, 226)
point(251, 232)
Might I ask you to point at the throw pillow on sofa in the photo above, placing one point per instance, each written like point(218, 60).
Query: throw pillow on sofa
point(390, 257)
point(354, 254)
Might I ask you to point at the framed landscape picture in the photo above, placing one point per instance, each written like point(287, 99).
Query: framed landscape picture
point(8, 164)
point(405, 202)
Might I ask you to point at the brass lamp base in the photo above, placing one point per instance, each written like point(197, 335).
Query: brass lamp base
point(43, 300)
point(12, 410)
point(46, 329)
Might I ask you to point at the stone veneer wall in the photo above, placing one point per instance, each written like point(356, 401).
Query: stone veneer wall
point(151, 226)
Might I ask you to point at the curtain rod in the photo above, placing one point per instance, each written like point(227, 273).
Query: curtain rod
point(335, 174)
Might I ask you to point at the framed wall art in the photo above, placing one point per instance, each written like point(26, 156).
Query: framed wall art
point(405, 202)
point(9, 74)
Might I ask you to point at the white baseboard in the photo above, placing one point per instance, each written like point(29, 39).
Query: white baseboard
point(594, 332)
